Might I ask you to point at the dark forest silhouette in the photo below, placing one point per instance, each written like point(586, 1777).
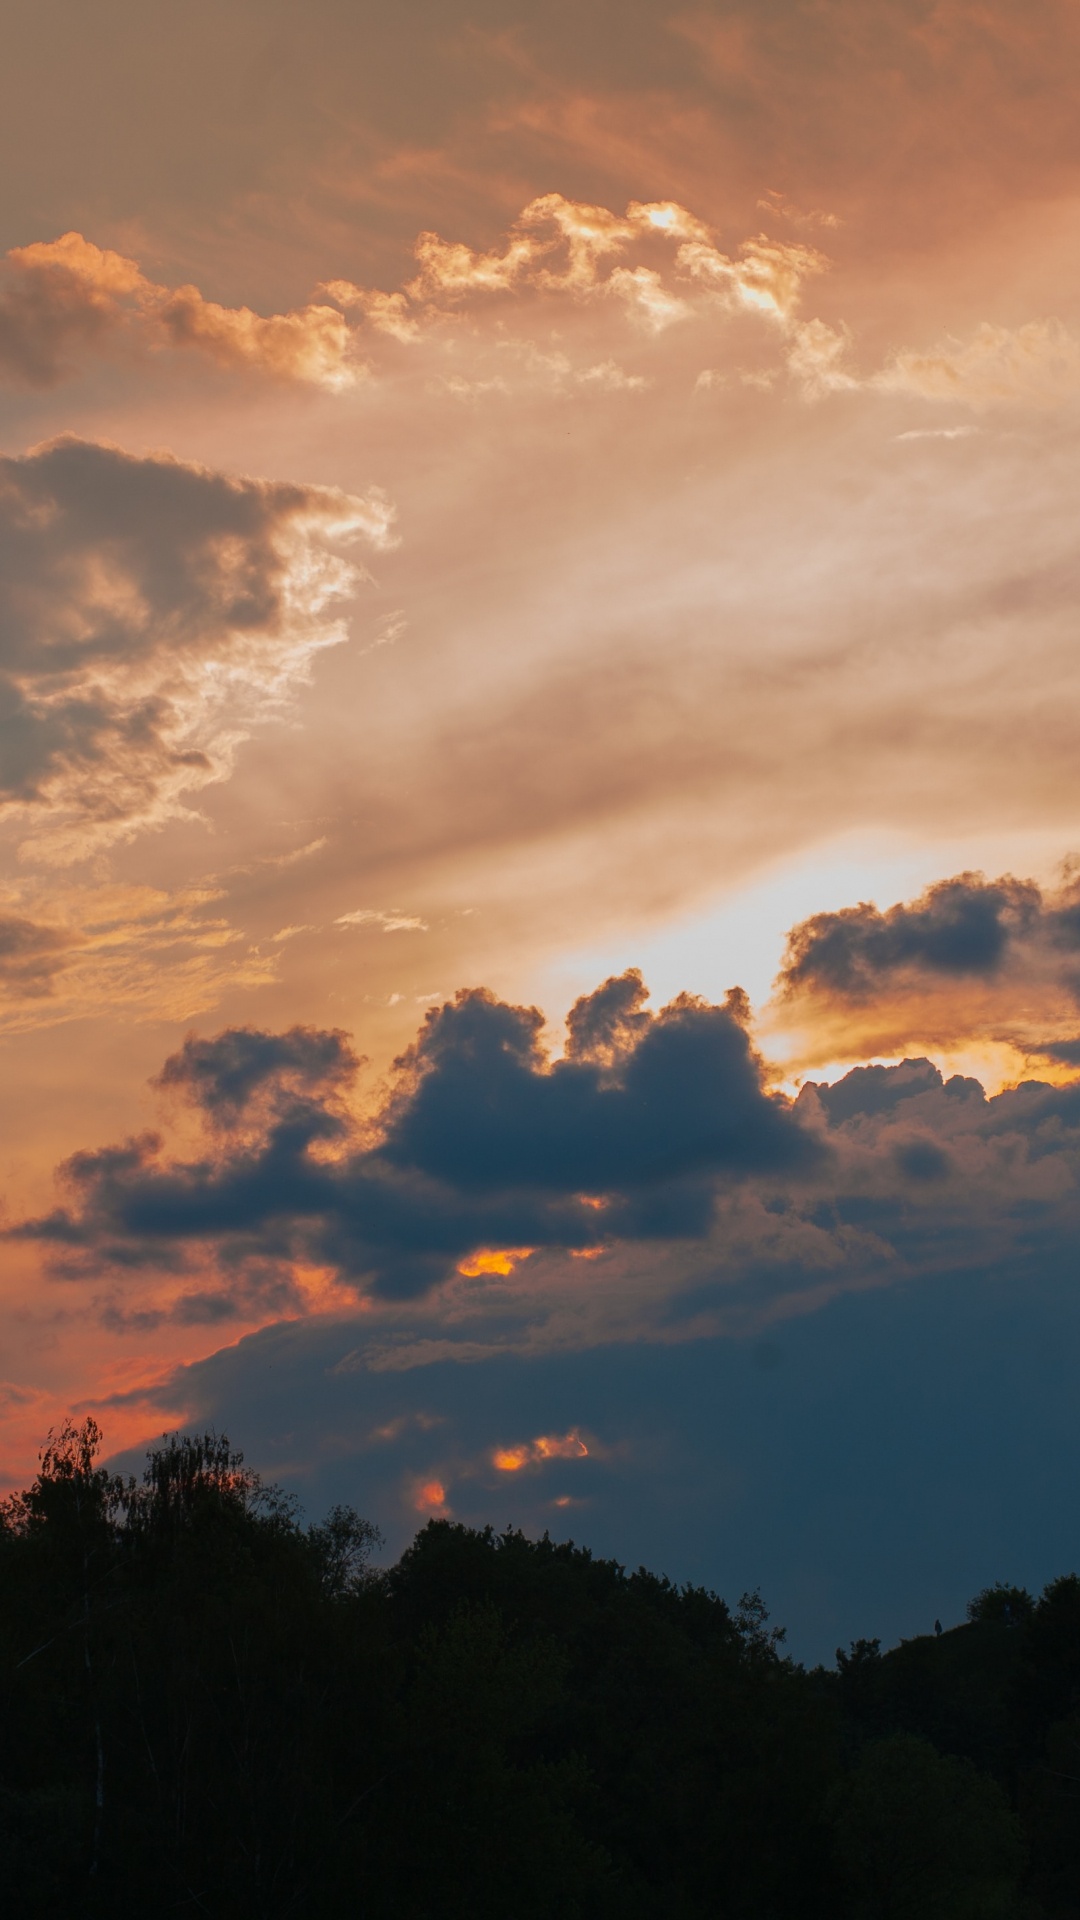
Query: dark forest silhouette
point(211, 1709)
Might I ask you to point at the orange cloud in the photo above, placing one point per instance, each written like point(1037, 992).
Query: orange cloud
point(313, 345)
point(1035, 365)
point(767, 278)
point(430, 1498)
point(567, 1446)
point(501, 1260)
point(66, 294)
point(66, 291)
point(560, 245)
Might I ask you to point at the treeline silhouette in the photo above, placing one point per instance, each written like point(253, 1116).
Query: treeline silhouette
point(210, 1709)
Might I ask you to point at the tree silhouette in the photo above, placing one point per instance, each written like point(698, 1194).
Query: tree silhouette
point(210, 1707)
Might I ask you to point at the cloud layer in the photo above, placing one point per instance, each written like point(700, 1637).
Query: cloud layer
point(120, 950)
point(643, 1184)
point(66, 298)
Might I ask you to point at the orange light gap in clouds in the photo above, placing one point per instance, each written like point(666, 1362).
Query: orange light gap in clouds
point(567, 1446)
point(430, 1498)
point(500, 1260)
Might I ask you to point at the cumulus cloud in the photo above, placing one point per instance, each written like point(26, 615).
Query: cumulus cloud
point(386, 312)
point(149, 611)
point(971, 958)
point(225, 1077)
point(917, 1179)
point(565, 246)
point(958, 927)
point(767, 277)
point(604, 1025)
point(483, 1111)
point(945, 1176)
point(1036, 365)
point(484, 1143)
point(460, 1208)
point(63, 298)
point(60, 296)
point(555, 243)
point(650, 302)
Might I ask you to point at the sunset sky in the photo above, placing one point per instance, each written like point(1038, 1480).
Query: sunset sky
point(539, 590)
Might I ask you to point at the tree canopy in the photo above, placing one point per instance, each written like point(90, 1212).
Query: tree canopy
point(210, 1707)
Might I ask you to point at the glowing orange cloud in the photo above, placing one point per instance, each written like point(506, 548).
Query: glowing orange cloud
point(493, 1260)
point(567, 1446)
point(67, 293)
point(66, 290)
point(430, 1498)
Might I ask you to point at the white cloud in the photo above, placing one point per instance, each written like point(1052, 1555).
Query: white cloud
point(937, 433)
point(391, 920)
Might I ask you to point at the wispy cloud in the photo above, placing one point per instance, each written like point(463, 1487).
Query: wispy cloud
point(391, 920)
point(151, 612)
point(98, 951)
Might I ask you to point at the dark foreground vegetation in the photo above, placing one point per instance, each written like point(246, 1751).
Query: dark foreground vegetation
point(208, 1709)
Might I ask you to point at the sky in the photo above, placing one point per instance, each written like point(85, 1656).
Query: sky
point(539, 826)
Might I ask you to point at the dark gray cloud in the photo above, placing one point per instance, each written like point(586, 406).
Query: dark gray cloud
point(921, 1160)
point(651, 1145)
point(1065, 1052)
point(225, 1075)
point(942, 1178)
point(971, 958)
point(685, 1098)
point(871, 1465)
point(121, 581)
point(960, 928)
point(867, 1090)
point(653, 1132)
point(484, 1143)
point(602, 1025)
